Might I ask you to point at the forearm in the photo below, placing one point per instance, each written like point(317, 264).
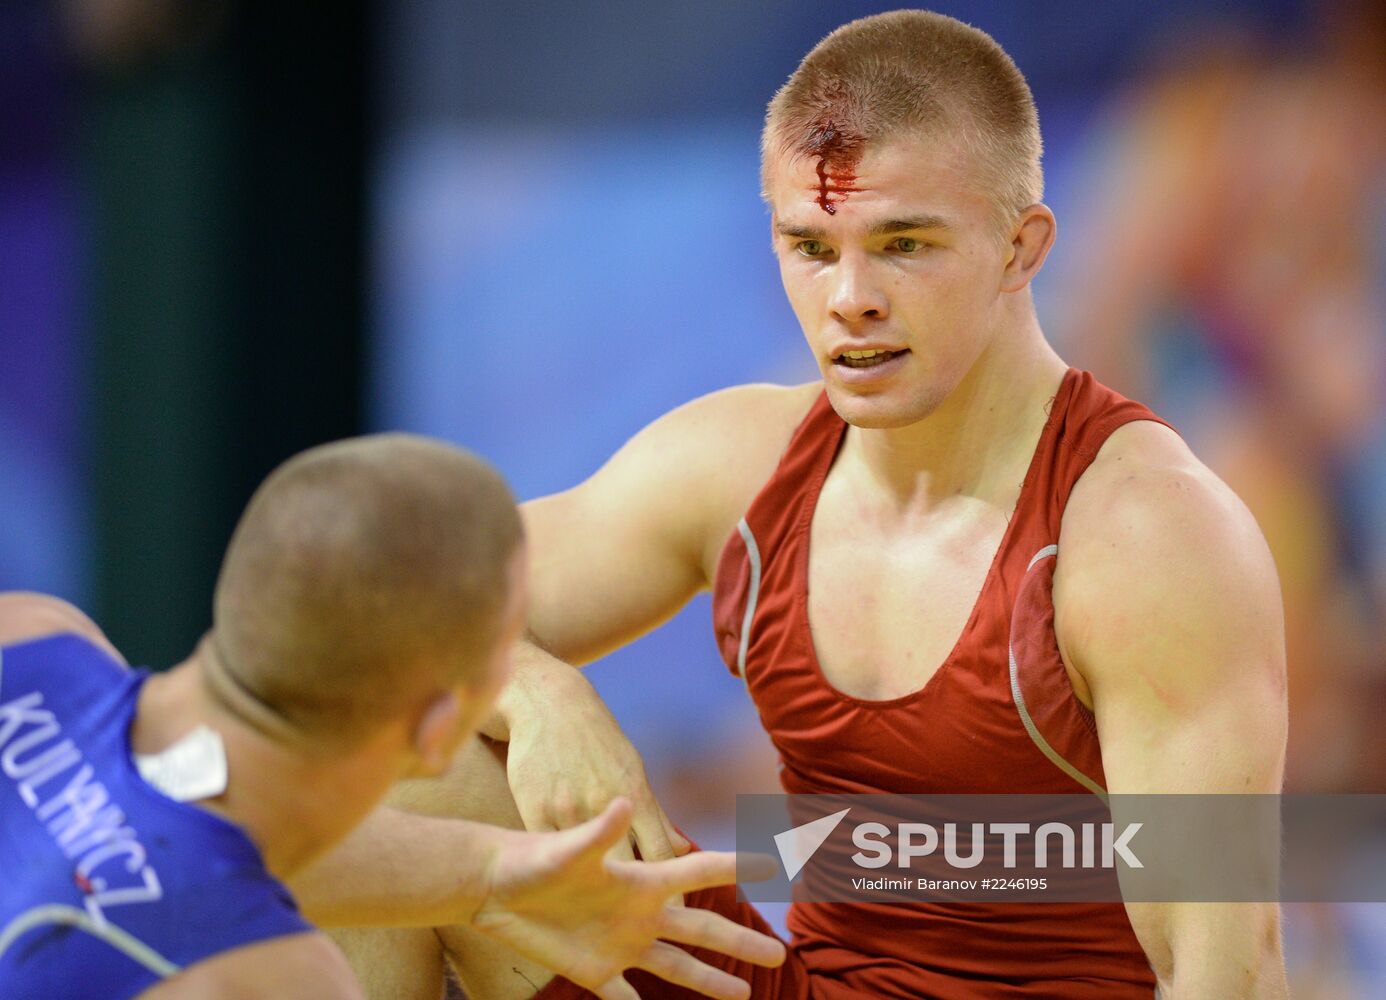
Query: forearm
point(1228, 950)
point(400, 870)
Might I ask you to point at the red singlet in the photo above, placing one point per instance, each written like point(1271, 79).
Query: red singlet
point(963, 732)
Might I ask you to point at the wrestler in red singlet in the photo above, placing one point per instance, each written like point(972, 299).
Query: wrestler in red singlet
point(978, 726)
point(901, 164)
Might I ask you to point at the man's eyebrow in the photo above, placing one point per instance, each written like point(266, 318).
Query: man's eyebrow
point(799, 232)
point(905, 225)
point(885, 228)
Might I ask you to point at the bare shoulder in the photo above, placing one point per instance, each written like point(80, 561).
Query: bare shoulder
point(1157, 553)
point(618, 553)
point(25, 615)
point(304, 966)
point(741, 433)
point(757, 420)
point(1145, 489)
point(713, 453)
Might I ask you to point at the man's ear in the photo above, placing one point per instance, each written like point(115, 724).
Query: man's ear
point(1031, 237)
point(435, 734)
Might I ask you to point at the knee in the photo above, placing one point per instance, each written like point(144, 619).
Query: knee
point(474, 787)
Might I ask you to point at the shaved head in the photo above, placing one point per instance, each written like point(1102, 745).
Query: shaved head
point(904, 74)
point(364, 577)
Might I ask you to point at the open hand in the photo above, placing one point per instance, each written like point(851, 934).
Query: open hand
point(562, 900)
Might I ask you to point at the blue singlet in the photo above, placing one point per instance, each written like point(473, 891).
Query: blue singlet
point(106, 884)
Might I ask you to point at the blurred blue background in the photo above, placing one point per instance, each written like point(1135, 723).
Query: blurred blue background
point(227, 232)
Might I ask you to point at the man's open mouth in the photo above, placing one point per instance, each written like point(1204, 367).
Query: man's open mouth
point(866, 359)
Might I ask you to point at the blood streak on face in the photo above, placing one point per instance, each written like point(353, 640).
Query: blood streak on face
point(838, 152)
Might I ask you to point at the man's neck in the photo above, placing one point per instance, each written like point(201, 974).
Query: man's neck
point(294, 801)
point(974, 441)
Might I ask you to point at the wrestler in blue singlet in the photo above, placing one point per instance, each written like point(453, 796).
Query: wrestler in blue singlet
point(106, 884)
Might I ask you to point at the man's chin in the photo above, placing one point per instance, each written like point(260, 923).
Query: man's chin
point(879, 411)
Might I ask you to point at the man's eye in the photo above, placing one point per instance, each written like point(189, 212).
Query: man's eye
point(809, 248)
point(907, 244)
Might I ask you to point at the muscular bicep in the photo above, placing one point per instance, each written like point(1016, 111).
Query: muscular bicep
point(617, 555)
point(1167, 604)
point(604, 566)
point(1169, 607)
point(304, 966)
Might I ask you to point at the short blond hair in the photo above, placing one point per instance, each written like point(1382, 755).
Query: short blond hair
point(885, 76)
point(364, 576)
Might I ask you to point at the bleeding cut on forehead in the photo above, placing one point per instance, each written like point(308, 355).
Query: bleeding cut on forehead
point(897, 271)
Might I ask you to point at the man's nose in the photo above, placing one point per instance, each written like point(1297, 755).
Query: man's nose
point(856, 296)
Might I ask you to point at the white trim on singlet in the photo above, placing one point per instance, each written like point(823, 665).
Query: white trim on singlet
point(1048, 550)
point(1036, 737)
point(121, 940)
point(752, 598)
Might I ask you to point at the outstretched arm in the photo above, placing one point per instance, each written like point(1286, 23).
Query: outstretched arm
point(557, 898)
point(398, 869)
point(1167, 605)
point(611, 559)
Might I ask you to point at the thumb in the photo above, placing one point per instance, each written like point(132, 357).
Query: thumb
point(599, 834)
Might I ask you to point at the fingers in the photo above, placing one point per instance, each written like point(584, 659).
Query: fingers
point(681, 844)
point(705, 929)
point(610, 826)
point(682, 969)
point(708, 869)
point(755, 867)
point(602, 833)
point(534, 815)
point(617, 989)
point(651, 836)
